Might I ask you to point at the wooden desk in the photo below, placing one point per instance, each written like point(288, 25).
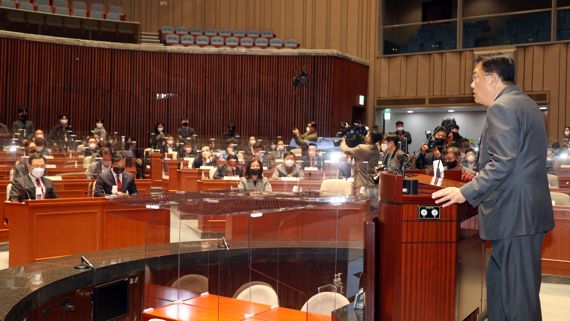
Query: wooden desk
point(45, 229)
point(555, 253)
point(213, 307)
point(189, 178)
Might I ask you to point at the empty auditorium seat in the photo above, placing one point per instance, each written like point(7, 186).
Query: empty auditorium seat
point(113, 16)
point(62, 10)
point(211, 32)
point(43, 2)
point(202, 40)
point(276, 42)
point(267, 34)
point(261, 42)
point(79, 13)
point(172, 39)
point(291, 43)
point(98, 7)
point(239, 33)
point(196, 32)
point(217, 41)
point(8, 4)
point(60, 3)
point(116, 9)
point(26, 6)
point(187, 40)
point(97, 14)
point(79, 5)
point(246, 42)
point(44, 8)
point(225, 32)
point(253, 33)
point(232, 41)
point(182, 31)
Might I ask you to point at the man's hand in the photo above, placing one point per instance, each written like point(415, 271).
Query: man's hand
point(424, 149)
point(450, 195)
point(295, 131)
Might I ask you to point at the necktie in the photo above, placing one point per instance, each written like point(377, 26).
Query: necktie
point(119, 183)
point(39, 184)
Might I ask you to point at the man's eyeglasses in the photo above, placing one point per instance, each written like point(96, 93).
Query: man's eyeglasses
point(475, 76)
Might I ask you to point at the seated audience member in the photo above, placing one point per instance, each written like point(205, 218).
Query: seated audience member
point(124, 181)
point(40, 145)
point(187, 151)
point(23, 125)
point(230, 168)
point(394, 157)
point(39, 134)
point(170, 146)
point(101, 166)
point(310, 135)
point(21, 167)
point(265, 158)
point(230, 150)
point(205, 158)
point(4, 131)
point(451, 159)
point(158, 136)
point(288, 168)
point(34, 185)
point(61, 136)
point(426, 157)
point(91, 148)
point(248, 150)
point(253, 180)
point(566, 138)
point(185, 131)
point(345, 166)
point(469, 163)
point(280, 149)
point(231, 133)
point(100, 129)
point(312, 158)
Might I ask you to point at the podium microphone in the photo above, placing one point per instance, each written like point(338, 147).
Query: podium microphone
point(85, 264)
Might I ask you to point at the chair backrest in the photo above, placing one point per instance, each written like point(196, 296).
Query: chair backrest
point(62, 10)
point(60, 3)
point(276, 42)
point(187, 40)
point(192, 282)
point(336, 187)
point(553, 181)
point(8, 4)
point(560, 198)
point(44, 8)
point(239, 33)
point(79, 13)
point(42, 2)
point(87, 161)
point(253, 33)
point(261, 42)
point(246, 42)
point(225, 32)
point(116, 9)
point(8, 189)
point(98, 7)
point(79, 5)
point(297, 151)
point(324, 303)
point(97, 14)
point(257, 292)
point(26, 6)
point(267, 34)
point(217, 41)
point(164, 30)
point(211, 32)
point(113, 16)
point(232, 41)
point(291, 43)
point(196, 31)
point(172, 39)
point(182, 31)
point(202, 40)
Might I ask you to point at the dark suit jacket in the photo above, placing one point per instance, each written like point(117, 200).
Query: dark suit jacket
point(28, 126)
point(221, 172)
point(319, 162)
point(511, 189)
point(104, 184)
point(24, 189)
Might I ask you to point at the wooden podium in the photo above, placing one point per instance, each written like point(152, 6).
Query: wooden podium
point(429, 262)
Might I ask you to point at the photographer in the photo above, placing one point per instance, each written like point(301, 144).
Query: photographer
point(428, 155)
point(394, 156)
point(366, 157)
point(310, 135)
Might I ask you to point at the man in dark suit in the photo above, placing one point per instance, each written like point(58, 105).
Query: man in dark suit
point(33, 185)
point(312, 159)
point(116, 182)
point(23, 125)
point(511, 190)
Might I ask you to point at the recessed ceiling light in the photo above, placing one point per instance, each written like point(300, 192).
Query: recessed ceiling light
point(543, 108)
point(410, 111)
point(451, 111)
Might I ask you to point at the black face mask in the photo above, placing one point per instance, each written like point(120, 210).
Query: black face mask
point(440, 141)
point(185, 124)
point(255, 171)
point(451, 165)
point(118, 170)
point(24, 117)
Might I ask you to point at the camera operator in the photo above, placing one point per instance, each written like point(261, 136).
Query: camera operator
point(366, 158)
point(428, 155)
point(310, 135)
point(394, 156)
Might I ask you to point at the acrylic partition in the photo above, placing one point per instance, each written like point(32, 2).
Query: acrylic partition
point(234, 255)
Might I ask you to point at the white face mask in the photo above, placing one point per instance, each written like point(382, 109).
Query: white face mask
point(99, 125)
point(160, 129)
point(400, 129)
point(289, 163)
point(38, 172)
point(384, 147)
point(39, 148)
point(205, 154)
point(92, 146)
point(170, 142)
point(280, 147)
point(252, 142)
point(312, 153)
point(308, 129)
point(188, 150)
point(230, 151)
point(470, 158)
point(63, 121)
point(566, 133)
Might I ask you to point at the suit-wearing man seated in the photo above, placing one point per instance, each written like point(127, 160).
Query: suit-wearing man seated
point(253, 180)
point(100, 167)
point(33, 185)
point(230, 168)
point(312, 159)
point(288, 168)
point(116, 182)
point(205, 158)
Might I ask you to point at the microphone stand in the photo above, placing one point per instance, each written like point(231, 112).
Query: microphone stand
point(415, 153)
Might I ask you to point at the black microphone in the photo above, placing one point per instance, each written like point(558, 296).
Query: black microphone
point(429, 135)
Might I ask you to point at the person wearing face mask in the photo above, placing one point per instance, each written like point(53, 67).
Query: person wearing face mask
point(187, 150)
point(404, 136)
point(229, 151)
point(116, 182)
point(205, 158)
point(366, 158)
point(566, 138)
point(426, 156)
point(158, 136)
point(454, 137)
point(469, 163)
point(253, 180)
point(38, 133)
point(100, 129)
point(23, 125)
point(393, 156)
point(310, 135)
point(288, 168)
point(259, 153)
point(280, 149)
point(185, 131)
point(41, 146)
point(451, 159)
point(92, 148)
point(345, 167)
point(312, 158)
point(231, 133)
point(102, 166)
point(230, 168)
point(33, 185)
point(61, 136)
point(170, 147)
point(248, 150)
